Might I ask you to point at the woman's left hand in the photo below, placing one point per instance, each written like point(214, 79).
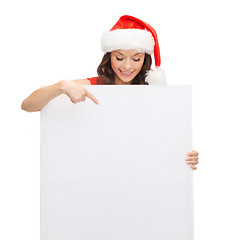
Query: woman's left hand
point(192, 159)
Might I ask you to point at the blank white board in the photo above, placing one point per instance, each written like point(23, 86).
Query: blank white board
point(117, 170)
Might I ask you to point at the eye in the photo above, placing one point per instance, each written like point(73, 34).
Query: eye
point(119, 59)
point(136, 60)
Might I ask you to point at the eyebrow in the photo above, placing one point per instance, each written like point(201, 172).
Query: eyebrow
point(133, 55)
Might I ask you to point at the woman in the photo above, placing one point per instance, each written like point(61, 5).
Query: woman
point(127, 60)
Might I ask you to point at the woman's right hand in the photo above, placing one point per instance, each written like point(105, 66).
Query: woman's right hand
point(76, 92)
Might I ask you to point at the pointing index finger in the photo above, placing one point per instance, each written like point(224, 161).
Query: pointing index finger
point(90, 95)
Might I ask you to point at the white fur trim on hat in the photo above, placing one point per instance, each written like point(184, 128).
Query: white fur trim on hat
point(156, 77)
point(126, 39)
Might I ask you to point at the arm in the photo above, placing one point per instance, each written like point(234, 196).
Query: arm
point(39, 98)
point(42, 96)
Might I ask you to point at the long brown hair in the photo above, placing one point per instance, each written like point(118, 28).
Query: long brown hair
point(106, 73)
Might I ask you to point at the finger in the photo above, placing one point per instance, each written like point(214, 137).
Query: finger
point(193, 167)
point(75, 101)
point(191, 158)
point(192, 162)
point(90, 95)
point(73, 98)
point(83, 98)
point(193, 153)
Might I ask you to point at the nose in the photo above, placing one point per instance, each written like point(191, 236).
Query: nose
point(127, 65)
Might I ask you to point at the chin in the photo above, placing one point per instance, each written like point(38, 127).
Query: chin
point(126, 79)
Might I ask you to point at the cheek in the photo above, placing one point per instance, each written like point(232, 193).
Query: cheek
point(115, 64)
point(138, 66)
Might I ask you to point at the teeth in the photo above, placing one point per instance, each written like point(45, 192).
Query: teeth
point(127, 73)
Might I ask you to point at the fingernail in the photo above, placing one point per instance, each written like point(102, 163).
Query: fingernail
point(186, 158)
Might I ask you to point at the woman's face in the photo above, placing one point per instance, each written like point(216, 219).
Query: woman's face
point(126, 64)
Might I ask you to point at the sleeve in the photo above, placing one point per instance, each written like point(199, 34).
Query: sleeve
point(93, 80)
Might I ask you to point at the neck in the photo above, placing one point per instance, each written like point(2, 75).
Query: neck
point(118, 81)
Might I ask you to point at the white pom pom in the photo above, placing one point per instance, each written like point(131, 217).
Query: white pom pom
point(156, 77)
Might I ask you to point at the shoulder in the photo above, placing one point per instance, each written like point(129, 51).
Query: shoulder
point(83, 81)
point(87, 81)
point(93, 80)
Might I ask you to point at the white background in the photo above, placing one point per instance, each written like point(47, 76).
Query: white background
point(47, 41)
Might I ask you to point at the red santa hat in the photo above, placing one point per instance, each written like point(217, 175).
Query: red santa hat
point(132, 33)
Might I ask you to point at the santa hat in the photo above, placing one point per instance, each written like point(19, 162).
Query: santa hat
point(132, 33)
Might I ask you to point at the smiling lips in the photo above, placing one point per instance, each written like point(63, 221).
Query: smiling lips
point(126, 73)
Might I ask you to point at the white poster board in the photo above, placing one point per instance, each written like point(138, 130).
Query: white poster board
point(117, 170)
